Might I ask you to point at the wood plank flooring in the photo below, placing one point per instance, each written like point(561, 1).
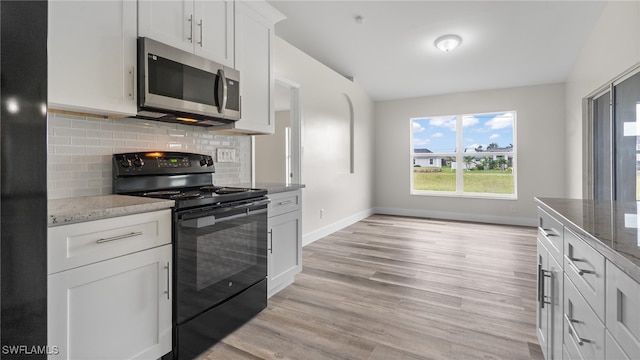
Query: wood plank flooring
point(393, 287)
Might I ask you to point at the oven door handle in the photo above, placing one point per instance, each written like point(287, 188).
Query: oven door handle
point(219, 212)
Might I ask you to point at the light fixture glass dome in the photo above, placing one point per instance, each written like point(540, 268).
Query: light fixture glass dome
point(447, 43)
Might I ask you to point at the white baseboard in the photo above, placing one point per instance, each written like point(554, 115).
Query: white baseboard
point(330, 229)
point(444, 215)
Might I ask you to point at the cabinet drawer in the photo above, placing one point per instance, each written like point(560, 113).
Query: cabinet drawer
point(613, 350)
point(583, 332)
point(283, 203)
point(585, 267)
point(623, 317)
point(550, 232)
point(73, 245)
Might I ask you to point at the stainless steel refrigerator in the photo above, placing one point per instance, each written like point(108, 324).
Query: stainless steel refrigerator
point(23, 179)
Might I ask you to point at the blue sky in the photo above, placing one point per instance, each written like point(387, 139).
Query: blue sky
point(438, 133)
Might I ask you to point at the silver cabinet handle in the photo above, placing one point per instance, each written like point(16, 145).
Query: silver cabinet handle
point(547, 232)
point(132, 73)
point(542, 273)
point(573, 331)
point(200, 24)
point(575, 268)
point(271, 241)
point(168, 281)
point(190, 20)
point(119, 237)
point(285, 202)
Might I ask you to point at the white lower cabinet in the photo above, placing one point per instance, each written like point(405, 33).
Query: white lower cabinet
point(115, 308)
point(285, 240)
point(549, 304)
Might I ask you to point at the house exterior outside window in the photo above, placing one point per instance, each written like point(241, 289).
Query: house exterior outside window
point(464, 155)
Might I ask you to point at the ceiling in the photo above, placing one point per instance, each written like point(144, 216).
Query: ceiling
point(391, 52)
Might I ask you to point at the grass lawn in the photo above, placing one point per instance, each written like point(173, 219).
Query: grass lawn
point(479, 181)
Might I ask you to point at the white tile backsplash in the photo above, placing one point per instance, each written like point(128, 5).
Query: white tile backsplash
point(80, 149)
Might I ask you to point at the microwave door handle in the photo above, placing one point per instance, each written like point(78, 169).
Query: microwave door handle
point(222, 91)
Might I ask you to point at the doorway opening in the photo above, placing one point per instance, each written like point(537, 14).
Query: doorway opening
point(277, 157)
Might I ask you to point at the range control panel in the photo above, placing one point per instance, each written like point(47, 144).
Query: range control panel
point(161, 163)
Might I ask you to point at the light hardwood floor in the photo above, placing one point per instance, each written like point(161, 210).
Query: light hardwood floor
point(393, 287)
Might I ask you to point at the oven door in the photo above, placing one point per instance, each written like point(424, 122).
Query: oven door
point(218, 252)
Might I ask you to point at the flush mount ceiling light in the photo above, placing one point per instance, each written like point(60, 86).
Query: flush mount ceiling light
point(447, 43)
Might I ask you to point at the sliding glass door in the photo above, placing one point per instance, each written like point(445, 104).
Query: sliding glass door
point(616, 140)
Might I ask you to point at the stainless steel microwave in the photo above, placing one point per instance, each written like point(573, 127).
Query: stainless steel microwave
point(177, 86)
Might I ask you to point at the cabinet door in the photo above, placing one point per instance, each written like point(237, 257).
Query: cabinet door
point(115, 309)
point(254, 61)
point(92, 56)
point(554, 333)
point(168, 21)
point(543, 303)
point(285, 250)
point(214, 30)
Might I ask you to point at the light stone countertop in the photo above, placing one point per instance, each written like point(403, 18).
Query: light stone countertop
point(271, 187)
point(88, 208)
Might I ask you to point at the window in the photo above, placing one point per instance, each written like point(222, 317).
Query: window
point(464, 155)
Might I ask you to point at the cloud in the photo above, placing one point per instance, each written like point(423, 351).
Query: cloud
point(500, 121)
point(446, 122)
point(469, 120)
point(417, 127)
point(437, 135)
point(494, 136)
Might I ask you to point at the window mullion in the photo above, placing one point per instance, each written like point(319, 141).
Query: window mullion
point(459, 156)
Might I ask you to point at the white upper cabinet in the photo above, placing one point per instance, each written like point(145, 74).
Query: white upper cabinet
point(92, 57)
point(205, 28)
point(254, 23)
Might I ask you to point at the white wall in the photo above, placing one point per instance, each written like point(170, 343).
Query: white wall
point(540, 151)
point(345, 197)
point(613, 48)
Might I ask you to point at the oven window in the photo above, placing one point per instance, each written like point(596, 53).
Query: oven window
point(222, 254)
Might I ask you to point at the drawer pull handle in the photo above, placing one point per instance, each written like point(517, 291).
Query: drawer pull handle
point(285, 202)
point(573, 331)
point(119, 237)
point(542, 273)
point(576, 268)
point(547, 232)
point(168, 281)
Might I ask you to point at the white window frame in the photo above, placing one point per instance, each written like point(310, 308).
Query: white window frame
point(459, 155)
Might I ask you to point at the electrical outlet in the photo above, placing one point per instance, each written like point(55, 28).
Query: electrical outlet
point(226, 155)
point(321, 213)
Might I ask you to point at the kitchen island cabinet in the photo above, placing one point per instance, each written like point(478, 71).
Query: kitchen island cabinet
point(92, 57)
point(204, 28)
point(601, 288)
point(109, 292)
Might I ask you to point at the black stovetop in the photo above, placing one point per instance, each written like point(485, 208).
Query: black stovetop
point(204, 196)
point(184, 177)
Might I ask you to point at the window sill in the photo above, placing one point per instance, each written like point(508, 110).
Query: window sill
point(464, 195)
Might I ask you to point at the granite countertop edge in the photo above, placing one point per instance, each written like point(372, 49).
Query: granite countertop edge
point(271, 187)
point(616, 258)
point(89, 208)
